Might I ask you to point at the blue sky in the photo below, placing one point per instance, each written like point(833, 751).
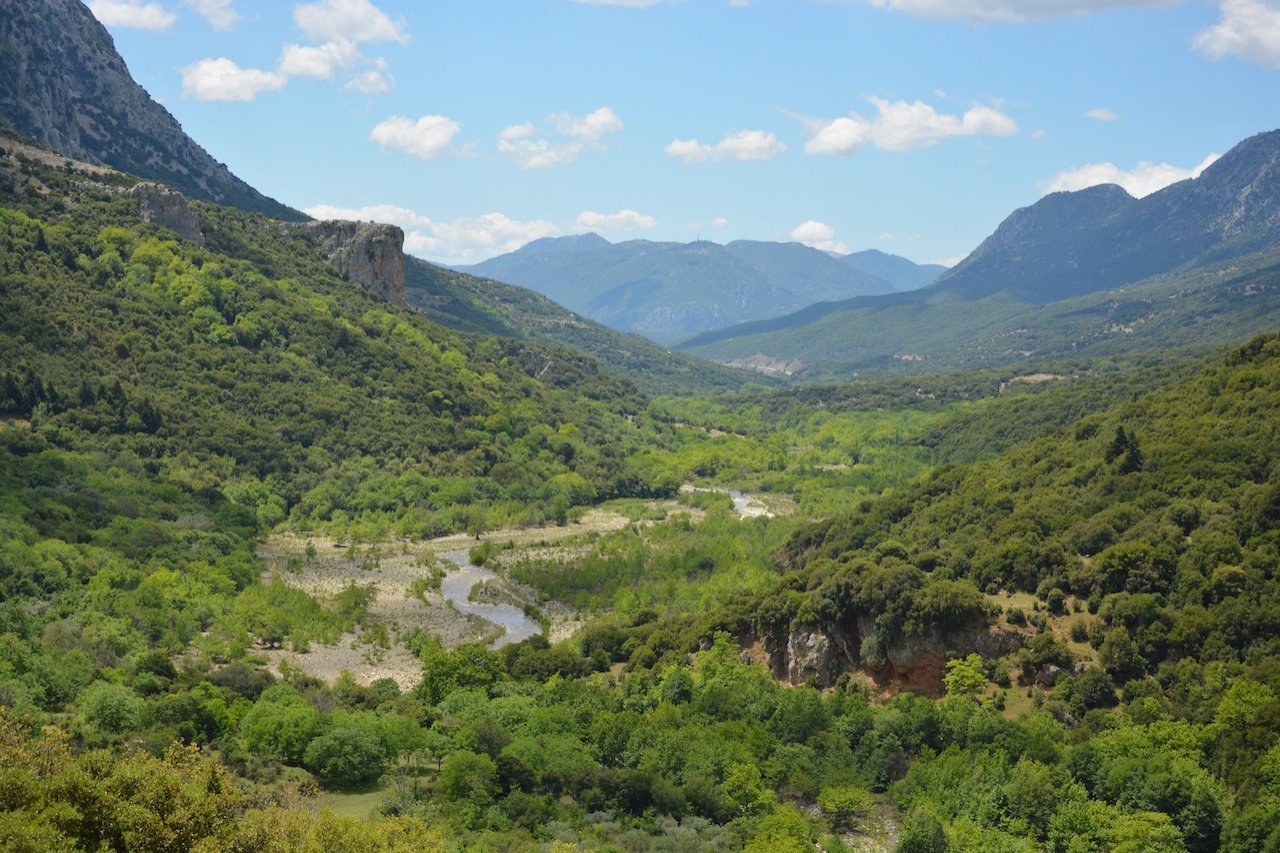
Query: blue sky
point(910, 126)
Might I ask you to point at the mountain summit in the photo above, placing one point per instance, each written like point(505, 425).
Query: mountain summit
point(1073, 243)
point(63, 83)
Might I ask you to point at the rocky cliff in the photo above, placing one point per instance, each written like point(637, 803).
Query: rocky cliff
point(368, 253)
point(820, 653)
point(63, 83)
point(168, 208)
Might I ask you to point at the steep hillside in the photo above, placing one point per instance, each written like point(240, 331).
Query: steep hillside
point(63, 83)
point(252, 363)
point(469, 304)
point(667, 291)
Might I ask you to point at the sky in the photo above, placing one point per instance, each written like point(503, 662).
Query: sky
point(909, 126)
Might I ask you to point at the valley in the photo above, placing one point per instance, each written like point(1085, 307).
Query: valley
point(310, 544)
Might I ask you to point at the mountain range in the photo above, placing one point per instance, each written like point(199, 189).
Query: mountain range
point(1093, 270)
point(668, 291)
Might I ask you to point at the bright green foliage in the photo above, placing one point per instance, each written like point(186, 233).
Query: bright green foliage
point(846, 805)
point(346, 756)
point(965, 676)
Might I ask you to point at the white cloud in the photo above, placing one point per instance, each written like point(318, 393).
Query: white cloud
point(1249, 29)
point(903, 126)
point(222, 80)
point(819, 235)
point(134, 14)
point(320, 62)
point(429, 137)
point(577, 134)
point(1101, 114)
point(466, 240)
point(1009, 10)
point(622, 220)
point(220, 14)
point(371, 82)
point(742, 145)
point(948, 262)
point(591, 127)
point(1038, 133)
point(886, 236)
point(1141, 181)
point(347, 20)
point(719, 222)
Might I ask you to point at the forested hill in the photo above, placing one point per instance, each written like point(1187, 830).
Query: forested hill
point(252, 365)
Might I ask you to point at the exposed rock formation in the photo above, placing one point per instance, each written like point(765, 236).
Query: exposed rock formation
point(169, 209)
point(63, 83)
point(821, 653)
point(366, 252)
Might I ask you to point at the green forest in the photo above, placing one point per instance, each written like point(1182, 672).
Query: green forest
point(1007, 609)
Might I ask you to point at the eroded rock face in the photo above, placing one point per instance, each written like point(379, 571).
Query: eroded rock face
point(819, 653)
point(368, 253)
point(168, 208)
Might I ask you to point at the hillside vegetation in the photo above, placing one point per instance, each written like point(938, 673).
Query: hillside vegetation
point(985, 611)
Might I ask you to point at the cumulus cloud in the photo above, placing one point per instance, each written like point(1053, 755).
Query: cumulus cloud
point(1143, 180)
point(720, 222)
point(1101, 114)
point(622, 220)
point(220, 14)
point(466, 240)
point(133, 14)
point(222, 80)
point(819, 235)
point(903, 126)
point(347, 20)
point(575, 134)
point(1249, 29)
point(591, 127)
point(742, 145)
point(374, 81)
point(320, 61)
point(1009, 11)
point(428, 137)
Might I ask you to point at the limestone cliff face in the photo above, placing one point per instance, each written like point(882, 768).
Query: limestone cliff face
point(168, 208)
point(368, 253)
point(63, 83)
point(821, 652)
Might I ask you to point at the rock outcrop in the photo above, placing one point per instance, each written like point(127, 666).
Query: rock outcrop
point(63, 83)
point(820, 653)
point(368, 253)
point(168, 208)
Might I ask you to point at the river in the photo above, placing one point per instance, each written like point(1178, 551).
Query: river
point(456, 587)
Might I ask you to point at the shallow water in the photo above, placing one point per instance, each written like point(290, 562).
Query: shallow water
point(456, 587)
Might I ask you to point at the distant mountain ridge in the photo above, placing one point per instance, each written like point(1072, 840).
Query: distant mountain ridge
point(667, 291)
point(1195, 260)
point(63, 83)
point(1073, 243)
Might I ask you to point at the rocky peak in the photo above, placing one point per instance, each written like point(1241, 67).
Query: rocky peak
point(63, 83)
point(368, 253)
point(168, 208)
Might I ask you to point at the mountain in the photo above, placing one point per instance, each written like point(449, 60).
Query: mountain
point(668, 291)
point(1089, 271)
point(1072, 243)
point(901, 273)
point(62, 83)
point(471, 304)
